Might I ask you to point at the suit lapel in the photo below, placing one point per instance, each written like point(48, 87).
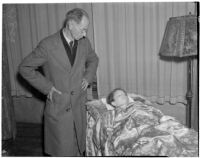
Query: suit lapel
point(61, 55)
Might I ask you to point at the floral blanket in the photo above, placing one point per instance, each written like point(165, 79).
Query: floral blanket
point(138, 130)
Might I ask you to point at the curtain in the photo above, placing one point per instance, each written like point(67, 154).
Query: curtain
point(127, 38)
point(7, 113)
point(26, 25)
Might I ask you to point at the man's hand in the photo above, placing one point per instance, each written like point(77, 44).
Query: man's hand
point(53, 89)
point(84, 84)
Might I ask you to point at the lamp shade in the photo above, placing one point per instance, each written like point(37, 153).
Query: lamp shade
point(180, 38)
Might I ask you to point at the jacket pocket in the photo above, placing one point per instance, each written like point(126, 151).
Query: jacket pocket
point(53, 106)
point(57, 99)
point(58, 106)
point(50, 110)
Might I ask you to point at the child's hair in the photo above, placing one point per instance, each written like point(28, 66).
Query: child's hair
point(110, 97)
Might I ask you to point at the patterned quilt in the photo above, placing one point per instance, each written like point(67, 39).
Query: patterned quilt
point(138, 130)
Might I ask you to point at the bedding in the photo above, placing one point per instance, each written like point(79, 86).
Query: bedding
point(139, 130)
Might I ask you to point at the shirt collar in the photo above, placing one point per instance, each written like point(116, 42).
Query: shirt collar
point(66, 38)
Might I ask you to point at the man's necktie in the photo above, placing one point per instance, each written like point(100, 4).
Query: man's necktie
point(71, 44)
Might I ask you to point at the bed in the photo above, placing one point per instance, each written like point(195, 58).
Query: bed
point(140, 130)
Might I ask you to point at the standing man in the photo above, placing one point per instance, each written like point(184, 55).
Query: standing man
point(69, 66)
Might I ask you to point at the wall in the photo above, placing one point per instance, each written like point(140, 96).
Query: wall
point(31, 110)
point(28, 109)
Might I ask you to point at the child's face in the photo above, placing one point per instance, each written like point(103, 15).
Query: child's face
point(120, 98)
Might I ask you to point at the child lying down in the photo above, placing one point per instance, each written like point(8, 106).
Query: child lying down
point(133, 128)
point(120, 102)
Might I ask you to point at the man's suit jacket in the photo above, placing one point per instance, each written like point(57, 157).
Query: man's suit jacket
point(67, 109)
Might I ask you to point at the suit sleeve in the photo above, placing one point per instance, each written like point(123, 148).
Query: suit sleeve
point(92, 61)
point(28, 67)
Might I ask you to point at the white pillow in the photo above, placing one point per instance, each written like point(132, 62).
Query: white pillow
point(108, 106)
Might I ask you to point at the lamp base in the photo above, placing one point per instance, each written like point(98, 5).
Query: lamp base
point(189, 93)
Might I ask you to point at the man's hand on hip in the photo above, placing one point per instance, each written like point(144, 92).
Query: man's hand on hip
point(53, 89)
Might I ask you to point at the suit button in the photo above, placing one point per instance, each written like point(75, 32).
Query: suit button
point(67, 109)
point(72, 92)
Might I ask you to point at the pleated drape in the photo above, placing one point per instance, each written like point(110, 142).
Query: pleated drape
point(7, 107)
point(26, 25)
point(127, 39)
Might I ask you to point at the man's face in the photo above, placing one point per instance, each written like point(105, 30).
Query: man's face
point(79, 31)
point(120, 98)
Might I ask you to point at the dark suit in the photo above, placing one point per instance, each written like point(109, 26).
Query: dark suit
point(68, 109)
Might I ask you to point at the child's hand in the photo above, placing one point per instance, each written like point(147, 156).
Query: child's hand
point(139, 99)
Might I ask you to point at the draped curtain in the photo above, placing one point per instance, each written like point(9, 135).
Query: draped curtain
point(7, 113)
point(127, 38)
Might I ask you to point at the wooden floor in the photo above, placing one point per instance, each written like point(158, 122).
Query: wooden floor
point(28, 142)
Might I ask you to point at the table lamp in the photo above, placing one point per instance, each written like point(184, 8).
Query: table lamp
point(180, 42)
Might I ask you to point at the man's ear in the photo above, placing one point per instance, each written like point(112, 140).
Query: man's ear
point(70, 24)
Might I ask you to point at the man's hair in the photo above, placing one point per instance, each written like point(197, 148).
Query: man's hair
point(75, 14)
point(110, 97)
